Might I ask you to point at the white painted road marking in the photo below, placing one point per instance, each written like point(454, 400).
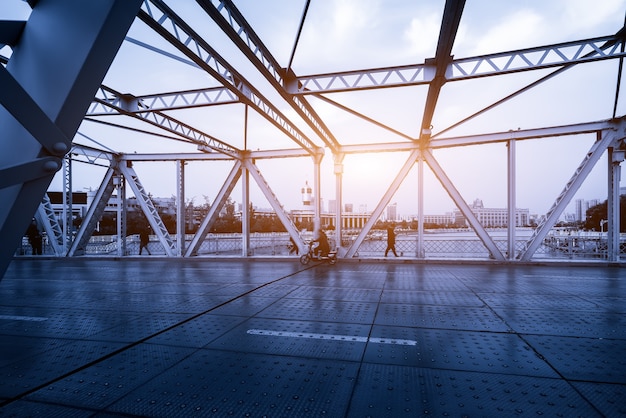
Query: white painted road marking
point(23, 318)
point(333, 337)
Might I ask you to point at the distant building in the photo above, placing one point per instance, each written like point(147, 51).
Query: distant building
point(581, 207)
point(392, 212)
point(493, 217)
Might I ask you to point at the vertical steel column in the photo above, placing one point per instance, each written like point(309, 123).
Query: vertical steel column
point(245, 211)
point(121, 214)
point(180, 208)
point(68, 225)
point(511, 190)
point(419, 250)
point(613, 203)
point(338, 197)
point(317, 193)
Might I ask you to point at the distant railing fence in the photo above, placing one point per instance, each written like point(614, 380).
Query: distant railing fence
point(555, 246)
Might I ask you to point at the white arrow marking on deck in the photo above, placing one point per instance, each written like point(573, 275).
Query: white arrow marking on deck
point(23, 318)
point(333, 337)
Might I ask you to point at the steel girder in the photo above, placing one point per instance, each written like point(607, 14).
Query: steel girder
point(604, 140)
point(214, 210)
point(232, 22)
point(550, 56)
point(45, 94)
point(404, 171)
point(171, 27)
point(129, 105)
point(274, 202)
point(159, 102)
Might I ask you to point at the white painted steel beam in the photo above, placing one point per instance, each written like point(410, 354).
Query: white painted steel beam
point(157, 15)
point(145, 202)
point(94, 213)
point(214, 210)
point(550, 56)
point(605, 139)
point(274, 202)
point(128, 105)
point(164, 101)
point(462, 205)
point(232, 22)
point(615, 158)
point(47, 218)
point(489, 138)
point(382, 204)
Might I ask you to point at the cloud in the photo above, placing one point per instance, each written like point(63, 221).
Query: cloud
point(350, 16)
point(585, 15)
point(516, 30)
point(422, 34)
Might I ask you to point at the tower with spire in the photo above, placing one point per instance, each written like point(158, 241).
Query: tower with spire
point(307, 195)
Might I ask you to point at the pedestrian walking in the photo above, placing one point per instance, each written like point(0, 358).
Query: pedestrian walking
point(391, 241)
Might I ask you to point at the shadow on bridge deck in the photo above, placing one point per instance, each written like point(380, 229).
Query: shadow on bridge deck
point(85, 337)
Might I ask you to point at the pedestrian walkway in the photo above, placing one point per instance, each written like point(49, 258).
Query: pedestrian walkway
point(215, 338)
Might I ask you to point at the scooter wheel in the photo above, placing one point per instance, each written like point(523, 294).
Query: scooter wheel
point(332, 260)
point(304, 259)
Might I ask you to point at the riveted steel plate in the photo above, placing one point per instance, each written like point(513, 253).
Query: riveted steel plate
point(139, 302)
point(215, 383)
point(296, 338)
point(67, 324)
point(431, 298)
point(488, 340)
point(37, 409)
point(458, 350)
point(396, 391)
point(431, 316)
point(548, 302)
point(609, 304)
point(273, 291)
point(107, 381)
point(198, 332)
point(244, 306)
point(15, 348)
point(609, 399)
point(322, 310)
point(139, 328)
point(413, 282)
point(28, 373)
point(199, 304)
point(566, 323)
point(336, 293)
point(590, 359)
point(190, 288)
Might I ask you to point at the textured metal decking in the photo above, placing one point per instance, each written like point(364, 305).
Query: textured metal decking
point(164, 338)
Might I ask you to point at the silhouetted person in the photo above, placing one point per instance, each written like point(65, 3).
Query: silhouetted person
point(34, 238)
point(293, 248)
point(144, 239)
point(391, 241)
point(323, 248)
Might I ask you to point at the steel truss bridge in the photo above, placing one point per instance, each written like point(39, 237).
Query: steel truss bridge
point(52, 82)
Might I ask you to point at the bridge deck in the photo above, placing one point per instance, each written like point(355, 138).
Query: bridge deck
point(159, 337)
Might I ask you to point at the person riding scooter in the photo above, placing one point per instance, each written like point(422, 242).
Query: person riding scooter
point(323, 247)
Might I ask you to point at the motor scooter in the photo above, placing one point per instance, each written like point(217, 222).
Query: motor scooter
point(331, 258)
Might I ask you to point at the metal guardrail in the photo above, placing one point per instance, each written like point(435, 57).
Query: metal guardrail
point(555, 246)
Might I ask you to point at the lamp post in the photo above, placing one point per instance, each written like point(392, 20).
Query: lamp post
point(602, 223)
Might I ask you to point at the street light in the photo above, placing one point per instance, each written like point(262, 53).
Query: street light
point(602, 223)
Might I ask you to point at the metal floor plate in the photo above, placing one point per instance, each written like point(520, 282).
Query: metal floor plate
point(167, 338)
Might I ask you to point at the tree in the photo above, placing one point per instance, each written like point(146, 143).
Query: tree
point(598, 213)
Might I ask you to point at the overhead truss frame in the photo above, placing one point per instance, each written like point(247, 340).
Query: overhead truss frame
point(53, 138)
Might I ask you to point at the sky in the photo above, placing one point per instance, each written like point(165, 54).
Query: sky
point(341, 35)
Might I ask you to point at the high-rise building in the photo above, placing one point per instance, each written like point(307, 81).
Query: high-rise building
point(392, 212)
